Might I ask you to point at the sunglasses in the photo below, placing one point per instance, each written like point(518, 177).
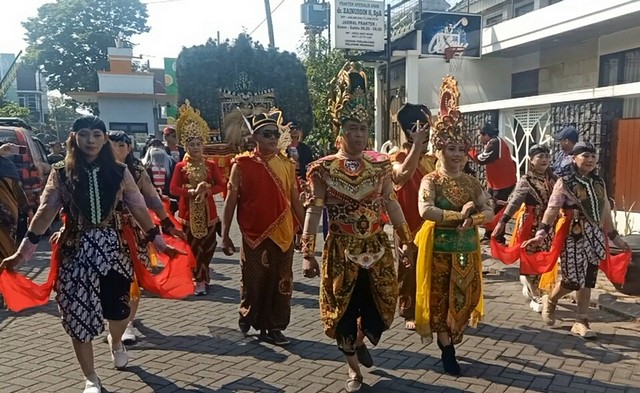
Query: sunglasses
point(270, 134)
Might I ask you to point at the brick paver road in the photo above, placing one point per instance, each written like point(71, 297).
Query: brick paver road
point(194, 346)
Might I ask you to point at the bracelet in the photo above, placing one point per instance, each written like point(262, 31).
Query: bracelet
point(545, 228)
point(450, 215)
point(33, 238)
point(477, 219)
point(613, 234)
point(505, 219)
point(308, 245)
point(152, 233)
point(166, 224)
point(404, 233)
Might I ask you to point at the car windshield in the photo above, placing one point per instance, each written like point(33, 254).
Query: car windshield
point(8, 136)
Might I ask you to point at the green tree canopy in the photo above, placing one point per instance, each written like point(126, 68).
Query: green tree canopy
point(68, 39)
point(61, 115)
point(12, 109)
point(201, 71)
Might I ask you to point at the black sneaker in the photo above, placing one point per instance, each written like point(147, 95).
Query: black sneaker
point(244, 326)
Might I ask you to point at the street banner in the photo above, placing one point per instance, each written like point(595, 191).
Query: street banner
point(359, 25)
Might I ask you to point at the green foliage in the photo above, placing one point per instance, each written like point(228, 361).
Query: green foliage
point(201, 71)
point(68, 39)
point(12, 109)
point(62, 113)
point(322, 64)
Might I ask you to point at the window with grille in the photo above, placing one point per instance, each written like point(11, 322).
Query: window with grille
point(620, 67)
point(523, 9)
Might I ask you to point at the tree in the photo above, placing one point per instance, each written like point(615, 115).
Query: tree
point(243, 66)
point(61, 116)
point(68, 39)
point(12, 109)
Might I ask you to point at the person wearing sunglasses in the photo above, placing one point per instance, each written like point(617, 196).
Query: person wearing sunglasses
point(410, 165)
point(262, 188)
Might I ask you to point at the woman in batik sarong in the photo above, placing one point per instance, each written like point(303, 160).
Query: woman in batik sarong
point(121, 145)
point(359, 290)
point(529, 199)
point(581, 193)
point(95, 271)
point(449, 264)
point(195, 181)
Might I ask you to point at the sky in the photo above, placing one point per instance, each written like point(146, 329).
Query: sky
point(178, 23)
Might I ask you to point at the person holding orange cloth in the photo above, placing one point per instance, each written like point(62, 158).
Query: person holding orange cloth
point(410, 165)
point(530, 198)
point(262, 187)
point(583, 246)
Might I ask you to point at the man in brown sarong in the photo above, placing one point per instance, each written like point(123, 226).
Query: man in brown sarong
point(262, 185)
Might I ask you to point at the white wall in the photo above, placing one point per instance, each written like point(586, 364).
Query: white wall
point(127, 110)
point(527, 62)
point(619, 41)
point(486, 79)
point(125, 83)
point(569, 68)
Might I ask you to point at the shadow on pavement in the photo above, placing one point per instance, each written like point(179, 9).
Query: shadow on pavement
point(540, 380)
point(220, 341)
point(160, 384)
point(557, 341)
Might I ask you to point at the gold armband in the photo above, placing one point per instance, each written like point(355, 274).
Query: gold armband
point(308, 245)
point(450, 215)
point(404, 233)
point(478, 219)
point(318, 202)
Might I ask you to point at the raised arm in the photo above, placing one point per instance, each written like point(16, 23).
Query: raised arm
point(403, 171)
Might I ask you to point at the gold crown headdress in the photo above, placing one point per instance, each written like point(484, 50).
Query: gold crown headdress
point(448, 127)
point(190, 124)
point(348, 97)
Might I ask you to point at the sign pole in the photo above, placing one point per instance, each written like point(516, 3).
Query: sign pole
point(387, 114)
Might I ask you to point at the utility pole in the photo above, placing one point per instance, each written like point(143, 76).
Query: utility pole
point(267, 8)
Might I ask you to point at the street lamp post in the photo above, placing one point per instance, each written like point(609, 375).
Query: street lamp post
point(267, 7)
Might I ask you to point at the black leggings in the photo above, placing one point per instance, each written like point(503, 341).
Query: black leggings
point(360, 306)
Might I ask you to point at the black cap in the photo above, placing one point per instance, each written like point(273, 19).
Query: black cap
point(538, 149)
point(583, 147)
point(410, 114)
point(489, 129)
point(568, 132)
point(294, 125)
point(119, 136)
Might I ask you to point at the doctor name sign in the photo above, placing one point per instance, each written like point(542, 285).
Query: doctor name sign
point(359, 24)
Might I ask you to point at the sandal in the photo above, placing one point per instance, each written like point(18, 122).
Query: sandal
point(354, 383)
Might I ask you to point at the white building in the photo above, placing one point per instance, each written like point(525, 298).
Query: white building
point(128, 101)
point(28, 88)
point(544, 64)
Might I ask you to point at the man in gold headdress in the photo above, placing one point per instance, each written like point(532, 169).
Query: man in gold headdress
point(262, 186)
point(410, 165)
point(358, 292)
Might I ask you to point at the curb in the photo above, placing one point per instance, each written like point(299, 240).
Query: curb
point(600, 299)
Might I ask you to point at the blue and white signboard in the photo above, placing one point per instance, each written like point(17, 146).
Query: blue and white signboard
point(442, 30)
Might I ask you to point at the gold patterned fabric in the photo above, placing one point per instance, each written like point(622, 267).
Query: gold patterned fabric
point(190, 124)
point(349, 98)
point(356, 244)
point(198, 210)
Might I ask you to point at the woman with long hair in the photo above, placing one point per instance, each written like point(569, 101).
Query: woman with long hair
point(581, 193)
point(529, 199)
point(195, 181)
point(121, 146)
point(94, 269)
point(449, 263)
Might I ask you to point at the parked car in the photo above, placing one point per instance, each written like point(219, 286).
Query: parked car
point(31, 162)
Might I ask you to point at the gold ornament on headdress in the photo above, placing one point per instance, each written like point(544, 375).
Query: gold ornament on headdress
point(190, 124)
point(348, 97)
point(449, 128)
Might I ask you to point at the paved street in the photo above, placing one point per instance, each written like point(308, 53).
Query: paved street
point(194, 346)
